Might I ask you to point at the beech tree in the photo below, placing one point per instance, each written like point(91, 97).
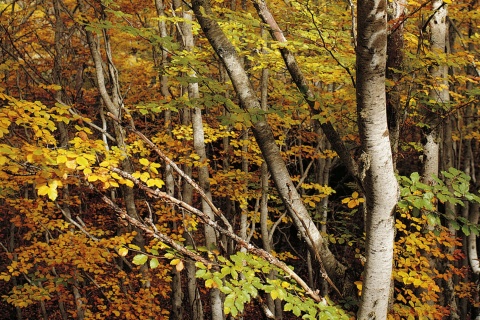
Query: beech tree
point(376, 165)
point(219, 159)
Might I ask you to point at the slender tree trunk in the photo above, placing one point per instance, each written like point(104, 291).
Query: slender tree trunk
point(203, 174)
point(177, 294)
point(266, 141)
point(376, 169)
point(323, 177)
point(439, 94)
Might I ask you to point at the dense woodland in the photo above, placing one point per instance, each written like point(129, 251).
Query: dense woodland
point(239, 159)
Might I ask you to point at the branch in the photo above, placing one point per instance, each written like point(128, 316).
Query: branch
point(320, 34)
point(301, 82)
point(206, 219)
point(217, 211)
point(155, 234)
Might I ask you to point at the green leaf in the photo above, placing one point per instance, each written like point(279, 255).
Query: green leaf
point(431, 219)
point(140, 259)
point(415, 177)
point(154, 263)
point(134, 247)
point(200, 273)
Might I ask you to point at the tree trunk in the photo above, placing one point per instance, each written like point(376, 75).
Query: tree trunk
point(203, 174)
point(266, 141)
point(376, 167)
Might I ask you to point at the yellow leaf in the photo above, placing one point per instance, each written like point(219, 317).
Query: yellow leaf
point(122, 251)
point(61, 159)
point(144, 161)
point(352, 203)
point(274, 294)
point(153, 169)
point(136, 174)
point(92, 178)
point(155, 182)
point(144, 176)
point(179, 266)
point(209, 283)
point(43, 190)
point(115, 176)
point(50, 190)
point(52, 193)
point(355, 195)
point(71, 164)
point(82, 161)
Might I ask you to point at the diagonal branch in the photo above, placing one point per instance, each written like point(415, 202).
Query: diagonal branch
point(174, 166)
point(301, 82)
point(156, 234)
point(206, 219)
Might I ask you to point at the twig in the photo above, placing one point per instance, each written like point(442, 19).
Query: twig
point(157, 235)
point(179, 171)
point(207, 220)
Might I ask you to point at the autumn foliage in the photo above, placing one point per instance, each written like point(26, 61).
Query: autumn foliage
point(70, 249)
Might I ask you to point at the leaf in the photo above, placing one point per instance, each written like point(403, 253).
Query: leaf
point(50, 190)
point(169, 255)
point(140, 259)
point(122, 251)
point(144, 162)
point(431, 220)
point(61, 159)
point(155, 182)
point(154, 263)
point(466, 230)
point(43, 190)
point(274, 294)
point(71, 164)
point(82, 161)
point(134, 246)
point(179, 266)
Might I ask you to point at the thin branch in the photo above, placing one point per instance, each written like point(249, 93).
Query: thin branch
point(217, 211)
point(410, 15)
point(155, 234)
point(206, 219)
point(320, 34)
point(76, 224)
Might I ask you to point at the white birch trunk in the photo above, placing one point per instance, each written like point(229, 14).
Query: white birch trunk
point(377, 173)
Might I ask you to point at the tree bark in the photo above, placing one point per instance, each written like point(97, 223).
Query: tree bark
point(376, 167)
point(216, 303)
point(266, 141)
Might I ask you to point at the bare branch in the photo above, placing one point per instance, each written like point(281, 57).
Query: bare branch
point(241, 242)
